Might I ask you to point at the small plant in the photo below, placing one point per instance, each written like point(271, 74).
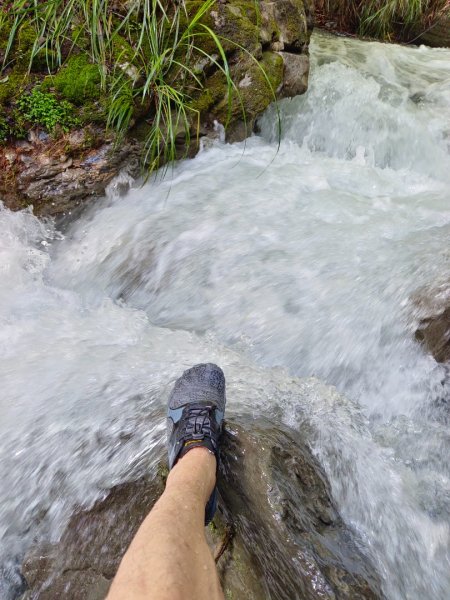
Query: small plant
point(44, 110)
point(4, 130)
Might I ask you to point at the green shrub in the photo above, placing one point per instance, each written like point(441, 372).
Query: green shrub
point(44, 110)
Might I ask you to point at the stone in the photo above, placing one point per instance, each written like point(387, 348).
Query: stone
point(288, 22)
point(432, 315)
point(296, 74)
point(84, 561)
point(276, 535)
point(288, 535)
point(55, 184)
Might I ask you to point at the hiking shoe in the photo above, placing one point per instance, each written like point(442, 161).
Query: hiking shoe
point(195, 417)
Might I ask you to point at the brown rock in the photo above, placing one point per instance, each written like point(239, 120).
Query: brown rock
point(82, 564)
point(432, 312)
point(289, 541)
point(56, 182)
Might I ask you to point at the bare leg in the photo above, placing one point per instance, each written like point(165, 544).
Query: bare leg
point(169, 558)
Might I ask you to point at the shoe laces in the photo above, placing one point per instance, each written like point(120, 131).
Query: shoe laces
point(197, 423)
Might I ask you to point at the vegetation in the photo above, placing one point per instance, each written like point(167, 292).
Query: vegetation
point(118, 59)
point(383, 19)
point(44, 110)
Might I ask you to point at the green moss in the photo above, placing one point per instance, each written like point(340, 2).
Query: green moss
point(13, 82)
point(44, 60)
point(122, 50)
point(236, 25)
point(207, 97)
point(80, 38)
point(77, 81)
point(5, 28)
point(241, 25)
point(95, 112)
point(12, 85)
point(25, 40)
point(44, 110)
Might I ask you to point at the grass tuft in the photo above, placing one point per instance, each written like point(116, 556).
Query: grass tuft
point(382, 19)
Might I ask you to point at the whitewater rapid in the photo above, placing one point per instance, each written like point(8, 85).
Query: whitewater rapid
point(277, 261)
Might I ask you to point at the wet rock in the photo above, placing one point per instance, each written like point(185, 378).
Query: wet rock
point(438, 33)
point(287, 23)
point(274, 63)
point(277, 534)
point(57, 176)
point(82, 564)
point(432, 313)
point(289, 540)
point(296, 73)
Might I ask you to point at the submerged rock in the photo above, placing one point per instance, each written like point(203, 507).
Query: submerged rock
point(276, 535)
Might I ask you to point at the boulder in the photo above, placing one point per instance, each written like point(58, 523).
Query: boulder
point(276, 535)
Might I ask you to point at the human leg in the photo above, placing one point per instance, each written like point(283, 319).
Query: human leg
point(169, 558)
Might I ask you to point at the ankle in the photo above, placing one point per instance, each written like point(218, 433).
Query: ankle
point(194, 474)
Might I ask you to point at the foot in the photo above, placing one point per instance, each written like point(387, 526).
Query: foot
point(195, 417)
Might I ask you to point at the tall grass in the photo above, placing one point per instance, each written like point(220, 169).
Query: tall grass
point(383, 19)
point(154, 74)
point(380, 18)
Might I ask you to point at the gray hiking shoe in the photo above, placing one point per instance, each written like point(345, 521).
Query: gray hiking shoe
point(195, 417)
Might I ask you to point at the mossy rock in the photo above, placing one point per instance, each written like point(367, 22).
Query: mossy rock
point(236, 25)
point(256, 86)
point(12, 86)
point(94, 112)
point(288, 22)
point(77, 81)
point(122, 51)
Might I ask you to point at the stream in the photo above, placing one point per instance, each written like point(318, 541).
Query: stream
point(292, 265)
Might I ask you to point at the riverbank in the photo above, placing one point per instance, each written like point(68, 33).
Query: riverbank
point(73, 116)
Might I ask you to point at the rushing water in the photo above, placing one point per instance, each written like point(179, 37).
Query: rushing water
point(277, 264)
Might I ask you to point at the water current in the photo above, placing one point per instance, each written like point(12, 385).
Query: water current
point(282, 264)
